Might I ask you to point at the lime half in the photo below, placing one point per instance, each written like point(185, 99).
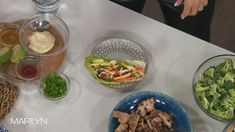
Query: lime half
point(5, 55)
point(17, 53)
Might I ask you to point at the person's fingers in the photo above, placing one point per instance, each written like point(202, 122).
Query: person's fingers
point(201, 8)
point(191, 7)
point(201, 5)
point(194, 11)
point(205, 2)
point(195, 7)
point(185, 12)
point(187, 8)
point(178, 2)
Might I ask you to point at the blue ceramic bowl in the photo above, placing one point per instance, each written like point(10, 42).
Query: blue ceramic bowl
point(3, 129)
point(181, 121)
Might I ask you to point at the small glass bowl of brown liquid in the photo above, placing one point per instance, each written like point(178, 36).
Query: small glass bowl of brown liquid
point(9, 34)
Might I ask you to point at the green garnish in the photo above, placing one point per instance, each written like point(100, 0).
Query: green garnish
point(215, 89)
point(54, 86)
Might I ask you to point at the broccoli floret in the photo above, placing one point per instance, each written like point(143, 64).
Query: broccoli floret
point(210, 72)
point(215, 89)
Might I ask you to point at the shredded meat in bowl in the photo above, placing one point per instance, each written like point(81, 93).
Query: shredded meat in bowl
point(145, 118)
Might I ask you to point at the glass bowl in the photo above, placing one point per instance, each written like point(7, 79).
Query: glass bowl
point(181, 120)
point(55, 57)
point(62, 75)
point(213, 61)
point(118, 48)
point(45, 22)
point(9, 34)
point(25, 66)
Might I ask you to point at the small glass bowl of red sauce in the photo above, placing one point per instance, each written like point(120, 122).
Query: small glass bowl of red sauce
point(28, 68)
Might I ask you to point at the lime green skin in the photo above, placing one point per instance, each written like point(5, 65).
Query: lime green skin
point(5, 55)
point(17, 53)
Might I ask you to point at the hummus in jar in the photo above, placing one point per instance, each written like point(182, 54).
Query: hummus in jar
point(41, 42)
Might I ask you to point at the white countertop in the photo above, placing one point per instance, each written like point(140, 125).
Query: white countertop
point(173, 55)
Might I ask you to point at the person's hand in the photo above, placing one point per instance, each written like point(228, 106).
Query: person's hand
point(191, 7)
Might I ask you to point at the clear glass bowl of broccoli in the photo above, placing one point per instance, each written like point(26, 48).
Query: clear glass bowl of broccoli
point(214, 87)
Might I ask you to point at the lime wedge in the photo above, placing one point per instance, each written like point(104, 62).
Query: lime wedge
point(17, 53)
point(5, 55)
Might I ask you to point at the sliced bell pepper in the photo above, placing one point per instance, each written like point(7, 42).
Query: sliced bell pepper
point(122, 77)
point(125, 79)
point(139, 70)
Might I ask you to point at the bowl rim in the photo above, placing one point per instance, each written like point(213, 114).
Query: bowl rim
point(194, 82)
point(44, 16)
point(122, 39)
point(156, 94)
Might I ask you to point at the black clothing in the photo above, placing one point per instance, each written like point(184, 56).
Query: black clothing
point(198, 25)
